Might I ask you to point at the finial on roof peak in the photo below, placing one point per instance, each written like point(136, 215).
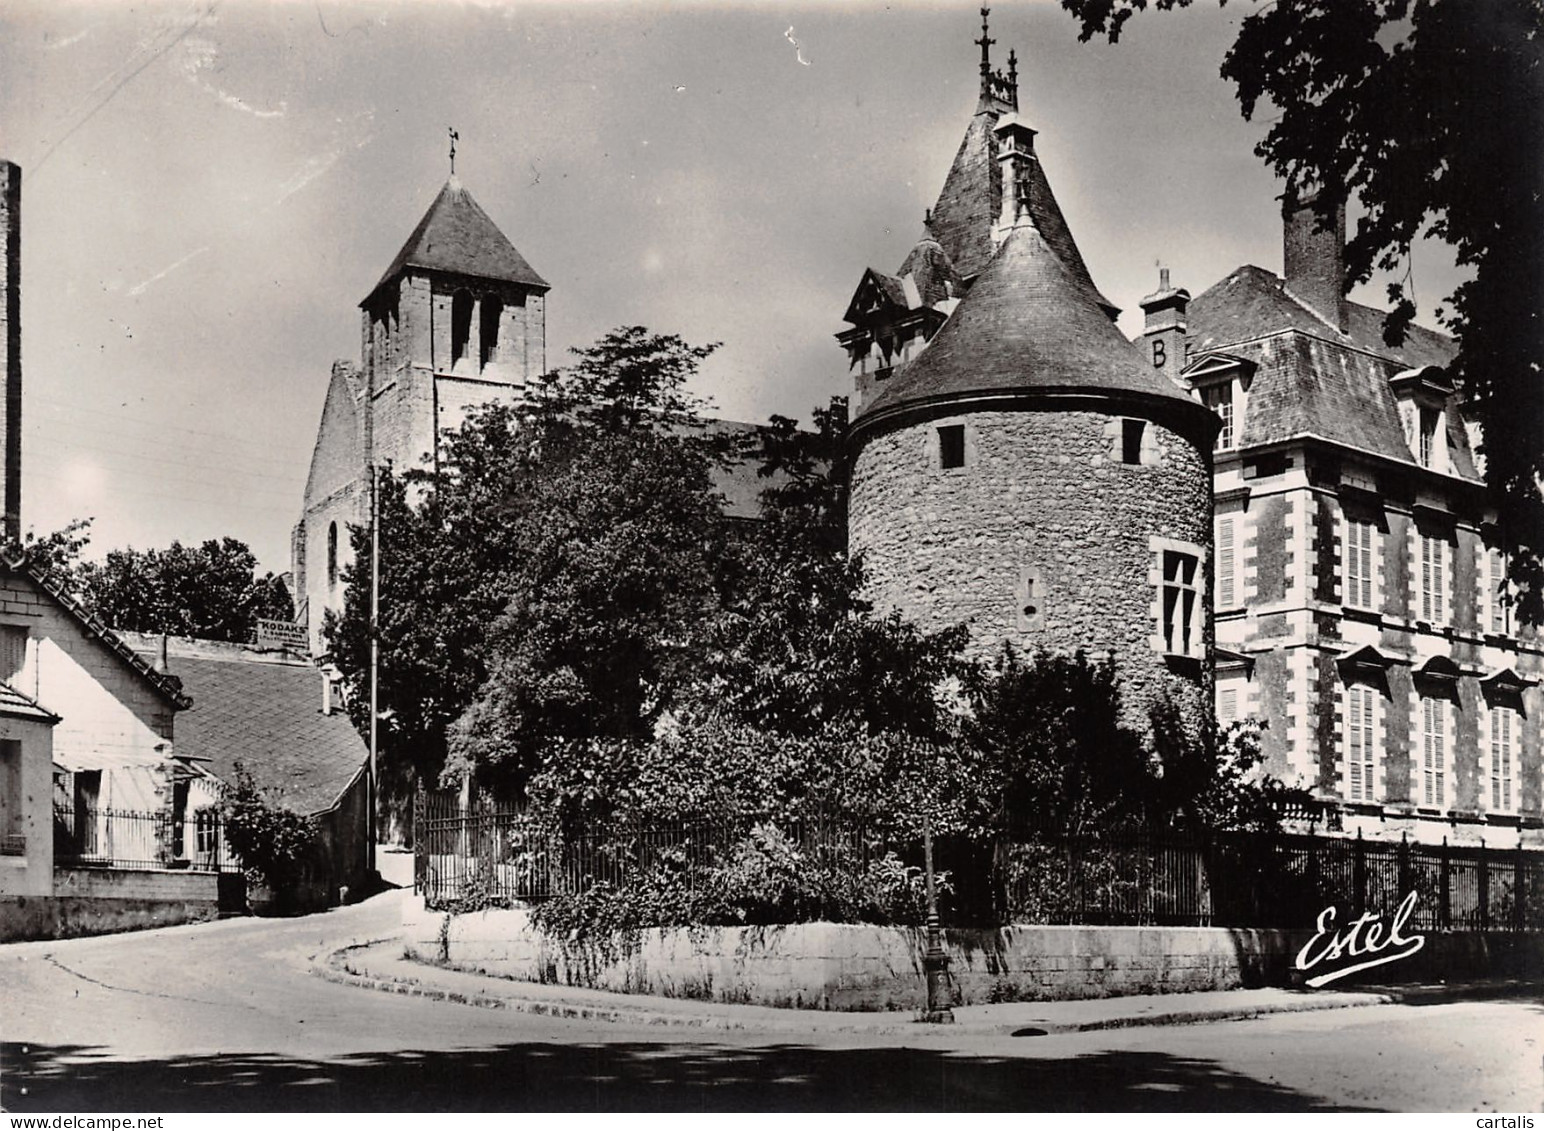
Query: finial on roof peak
point(454, 137)
point(998, 90)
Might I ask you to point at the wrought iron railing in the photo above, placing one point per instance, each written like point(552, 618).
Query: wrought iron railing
point(1130, 877)
point(140, 840)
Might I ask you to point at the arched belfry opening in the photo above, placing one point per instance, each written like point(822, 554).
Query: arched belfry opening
point(491, 313)
point(460, 325)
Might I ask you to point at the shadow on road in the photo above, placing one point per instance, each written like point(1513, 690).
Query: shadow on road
point(633, 1076)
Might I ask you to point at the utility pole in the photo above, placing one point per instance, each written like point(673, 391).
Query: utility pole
point(375, 646)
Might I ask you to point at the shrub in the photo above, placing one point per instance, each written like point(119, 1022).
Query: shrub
point(273, 843)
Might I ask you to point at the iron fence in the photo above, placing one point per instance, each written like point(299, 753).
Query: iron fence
point(140, 840)
point(1131, 877)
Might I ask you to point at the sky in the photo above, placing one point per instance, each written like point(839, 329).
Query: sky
point(210, 188)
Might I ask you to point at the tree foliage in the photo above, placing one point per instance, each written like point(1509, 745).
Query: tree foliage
point(1428, 112)
point(539, 583)
point(274, 844)
point(212, 591)
point(58, 553)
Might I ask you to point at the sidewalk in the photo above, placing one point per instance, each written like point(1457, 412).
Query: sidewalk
point(380, 965)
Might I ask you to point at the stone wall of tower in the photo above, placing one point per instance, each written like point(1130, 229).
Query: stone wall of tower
point(1044, 496)
point(10, 342)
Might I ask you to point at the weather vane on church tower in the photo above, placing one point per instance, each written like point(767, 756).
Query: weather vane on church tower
point(454, 137)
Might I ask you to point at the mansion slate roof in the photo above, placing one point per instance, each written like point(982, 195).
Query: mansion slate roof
point(456, 236)
point(1027, 322)
point(267, 715)
point(1252, 302)
point(1318, 381)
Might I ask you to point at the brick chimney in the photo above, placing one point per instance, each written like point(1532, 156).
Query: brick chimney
point(10, 334)
point(1315, 260)
point(1164, 330)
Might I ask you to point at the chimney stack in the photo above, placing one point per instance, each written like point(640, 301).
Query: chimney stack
point(1165, 327)
point(10, 336)
point(1015, 152)
point(162, 663)
point(1314, 260)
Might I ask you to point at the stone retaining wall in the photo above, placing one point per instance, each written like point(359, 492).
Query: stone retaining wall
point(855, 967)
point(99, 901)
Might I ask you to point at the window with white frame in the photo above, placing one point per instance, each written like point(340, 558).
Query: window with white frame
point(1504, 735)
point(1356, 564)
point(1433, 577)
point(1427, 451)
point(1230, 587)
point(1497, 605)
point(1180, 601)
point(1434, 730)
point(1361, 716)
point(1219, 398)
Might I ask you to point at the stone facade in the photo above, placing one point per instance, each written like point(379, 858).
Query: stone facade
point(1043, 515)
point(1362, 611)
point(457, 321)
point(1022, 470)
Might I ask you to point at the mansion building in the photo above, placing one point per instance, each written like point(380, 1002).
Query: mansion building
point(1360, 583)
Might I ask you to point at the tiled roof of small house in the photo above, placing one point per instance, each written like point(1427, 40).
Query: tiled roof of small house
point(1025, 323)
point(456, 236)
point(968, 207)
point(16, 705)
point(265, 713)
point(167, 686)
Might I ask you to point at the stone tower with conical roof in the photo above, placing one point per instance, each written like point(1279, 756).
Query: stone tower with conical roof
point(457, 320)
point(1022, 468)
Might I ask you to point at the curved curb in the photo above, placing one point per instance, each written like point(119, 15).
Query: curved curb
point(333, 966)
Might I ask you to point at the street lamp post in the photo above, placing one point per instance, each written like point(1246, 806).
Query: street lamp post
point(935, 963)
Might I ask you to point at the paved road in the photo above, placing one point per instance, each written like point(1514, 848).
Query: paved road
point(224, 1016)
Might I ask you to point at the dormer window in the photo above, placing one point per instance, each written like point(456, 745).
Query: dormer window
point(1221, 382)
point(1427, 450)
point(1219, 398)
point(1422, 395)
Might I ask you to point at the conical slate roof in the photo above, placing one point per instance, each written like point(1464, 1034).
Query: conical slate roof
point(1027, 323)
point(967, 208)
point(456, 236)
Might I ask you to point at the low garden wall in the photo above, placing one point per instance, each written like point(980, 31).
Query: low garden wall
point(99, 901)
point(859, 967)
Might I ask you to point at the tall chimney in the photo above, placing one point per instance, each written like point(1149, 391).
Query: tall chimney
point(1015, 152)
point(1315, 260)
point(1165, 326)
point(10, 332)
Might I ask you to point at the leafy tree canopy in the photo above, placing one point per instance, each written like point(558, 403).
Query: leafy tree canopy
point(1428, 112)
point(58, 553)
point(211, 591)
point(540, 580)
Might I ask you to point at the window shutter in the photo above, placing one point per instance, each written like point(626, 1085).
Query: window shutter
point(1226, 596)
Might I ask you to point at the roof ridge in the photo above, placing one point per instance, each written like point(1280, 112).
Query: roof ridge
point(168, 686)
